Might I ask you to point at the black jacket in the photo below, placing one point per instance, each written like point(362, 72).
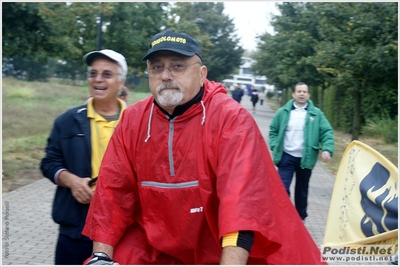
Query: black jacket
point(68, 147)
point(237, 94)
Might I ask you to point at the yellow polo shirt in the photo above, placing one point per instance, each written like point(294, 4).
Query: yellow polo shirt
point(100, 134)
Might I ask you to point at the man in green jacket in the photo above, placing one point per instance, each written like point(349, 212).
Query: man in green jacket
point(298, 131)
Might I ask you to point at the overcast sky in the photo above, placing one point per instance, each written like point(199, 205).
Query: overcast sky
point(251, 18)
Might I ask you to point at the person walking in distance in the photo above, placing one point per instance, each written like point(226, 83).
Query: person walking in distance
point(237, 93)
point(254, 98)
point(261, 96)
point(298, 131)
point(123, 93)
point(75, 149)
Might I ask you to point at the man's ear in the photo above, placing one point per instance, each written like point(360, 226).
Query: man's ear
point(203, 74)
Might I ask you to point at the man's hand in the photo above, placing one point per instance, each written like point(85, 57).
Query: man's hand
point(234, 256)
point(105, 248)
point(100, 258)
point(326, 156)
point(80, 188)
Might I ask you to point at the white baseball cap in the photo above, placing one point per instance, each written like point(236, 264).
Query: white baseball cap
point(117, 57)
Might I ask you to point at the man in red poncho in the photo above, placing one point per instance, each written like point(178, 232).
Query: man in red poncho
point(187, 177)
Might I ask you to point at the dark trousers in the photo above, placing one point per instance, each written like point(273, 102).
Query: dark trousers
point(70, 251)
point(287, 167)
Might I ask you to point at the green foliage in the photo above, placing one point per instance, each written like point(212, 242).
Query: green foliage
point(38, 31)
point(329, 105)
point(284, 57)
point(359, 49)
point(270, 94)
point(24, 68)
point(347, 46)
point(35, 41)
point(221, 55)
point(338, 113)
point(130, 27)
point(64, 32)
point(384, 127)
point(143, 86)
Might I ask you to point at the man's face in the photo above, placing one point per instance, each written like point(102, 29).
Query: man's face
point(105, 85)
point(170, 90)
point(301, 95)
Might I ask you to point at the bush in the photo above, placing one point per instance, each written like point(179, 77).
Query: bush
point(143, 86)
point(270, 94)
point(385, 128)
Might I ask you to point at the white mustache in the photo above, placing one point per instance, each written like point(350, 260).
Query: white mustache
point(168, 85)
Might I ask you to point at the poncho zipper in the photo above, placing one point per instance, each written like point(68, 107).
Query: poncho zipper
point(170, 150)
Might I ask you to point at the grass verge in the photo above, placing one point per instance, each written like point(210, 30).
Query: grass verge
point(28, 113)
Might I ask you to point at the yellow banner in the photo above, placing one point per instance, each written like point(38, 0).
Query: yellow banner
point(364, 203)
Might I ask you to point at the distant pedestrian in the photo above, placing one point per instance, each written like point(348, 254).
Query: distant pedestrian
point(298, 131)
point(254, 98)
point(261, 96)
point(123, 94)
point(237, 93)
point(75, 149)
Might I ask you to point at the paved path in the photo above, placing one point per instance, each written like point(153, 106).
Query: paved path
point(29, 233)
point(321, 183)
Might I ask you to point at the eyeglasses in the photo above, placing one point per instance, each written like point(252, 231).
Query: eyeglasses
point(107, 74)
point(176, 69)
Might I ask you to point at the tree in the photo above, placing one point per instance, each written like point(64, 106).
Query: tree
point(35, 32)
point(27, 41)
point(25, 33)
point(349, 47)
point(285, 57)
point(216, 36)
point(130, 27)
point(66, 31)
point(359, 49)
point(38, 31)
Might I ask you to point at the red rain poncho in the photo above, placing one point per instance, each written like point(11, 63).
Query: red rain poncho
point(169, 190)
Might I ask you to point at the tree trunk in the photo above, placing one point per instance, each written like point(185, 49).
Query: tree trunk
point(356, 115)
point(321, 98)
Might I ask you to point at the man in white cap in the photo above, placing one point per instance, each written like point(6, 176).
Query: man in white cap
point(75, 149)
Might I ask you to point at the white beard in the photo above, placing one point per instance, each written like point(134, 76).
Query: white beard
point(169, 97)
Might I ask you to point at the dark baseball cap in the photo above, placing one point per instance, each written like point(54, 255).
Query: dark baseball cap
point(169, 40)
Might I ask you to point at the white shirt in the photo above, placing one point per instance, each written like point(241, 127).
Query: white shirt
point(294, 132)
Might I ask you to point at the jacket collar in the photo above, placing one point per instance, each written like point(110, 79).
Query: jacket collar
point(289, 105)
point(296, 107)
point(180, 109)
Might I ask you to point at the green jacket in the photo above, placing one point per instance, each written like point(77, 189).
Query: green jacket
point(318, 134)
